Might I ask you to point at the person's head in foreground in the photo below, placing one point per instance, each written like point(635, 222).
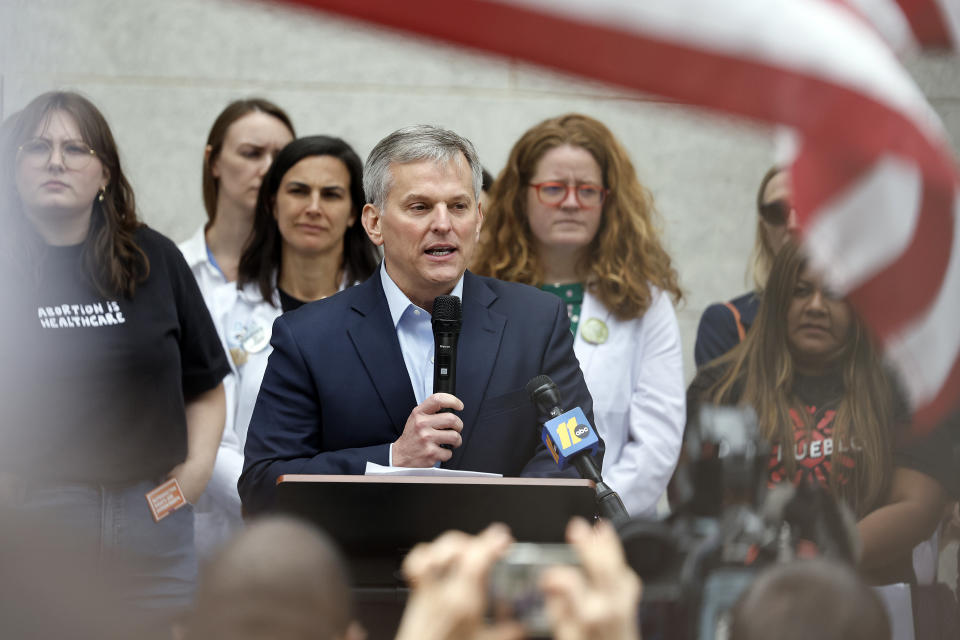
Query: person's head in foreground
point(423, 191)
point(809, 599)
point(279, 578)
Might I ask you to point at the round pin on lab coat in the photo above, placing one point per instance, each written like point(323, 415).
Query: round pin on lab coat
point(255, 338)
point(595, 331)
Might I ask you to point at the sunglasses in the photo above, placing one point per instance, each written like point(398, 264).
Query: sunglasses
point(776, 212)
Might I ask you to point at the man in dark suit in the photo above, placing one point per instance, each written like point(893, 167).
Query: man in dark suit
point(350, 378)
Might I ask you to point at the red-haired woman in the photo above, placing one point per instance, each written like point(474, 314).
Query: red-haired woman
point(568, 214)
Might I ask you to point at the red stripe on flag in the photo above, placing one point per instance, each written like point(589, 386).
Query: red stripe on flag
point(821, 172)
point(926, 22)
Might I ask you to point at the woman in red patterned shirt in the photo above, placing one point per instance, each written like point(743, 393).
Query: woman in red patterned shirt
point(833, 414)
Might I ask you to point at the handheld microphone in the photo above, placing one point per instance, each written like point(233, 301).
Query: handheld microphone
point(446, 323)
point(570, 438)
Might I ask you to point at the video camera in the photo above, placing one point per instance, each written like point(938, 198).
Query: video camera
point(726, 527)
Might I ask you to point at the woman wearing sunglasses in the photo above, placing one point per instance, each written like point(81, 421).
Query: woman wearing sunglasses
point(724, 325)
point(568, 214)
point(113, 368)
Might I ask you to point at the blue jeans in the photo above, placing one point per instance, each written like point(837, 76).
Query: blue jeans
point(110, 527)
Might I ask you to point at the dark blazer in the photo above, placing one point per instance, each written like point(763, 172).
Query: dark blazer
point(336, 392)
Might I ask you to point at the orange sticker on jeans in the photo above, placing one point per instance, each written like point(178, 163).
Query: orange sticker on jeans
point(165, 499)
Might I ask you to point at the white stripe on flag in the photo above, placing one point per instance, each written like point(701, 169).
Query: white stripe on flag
point(877, 214)
point(889, 20)
point(927, 350)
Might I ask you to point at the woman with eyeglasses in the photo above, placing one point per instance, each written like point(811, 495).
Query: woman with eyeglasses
point(834, 416)
point(724, 325)
point(112, 365)
point(569, 215)
point(307, 243)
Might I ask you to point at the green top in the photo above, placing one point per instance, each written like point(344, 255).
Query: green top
point(572, 295)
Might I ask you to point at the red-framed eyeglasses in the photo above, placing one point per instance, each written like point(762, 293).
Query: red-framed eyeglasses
point(588, 195)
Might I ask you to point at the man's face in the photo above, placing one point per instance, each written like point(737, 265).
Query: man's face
point(428, 227)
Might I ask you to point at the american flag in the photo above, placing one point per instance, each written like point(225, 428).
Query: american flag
point(875, 181)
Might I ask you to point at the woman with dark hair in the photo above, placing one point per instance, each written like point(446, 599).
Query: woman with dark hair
point(825, 401)
point(723, 325)
point(116, 365)
point(307, 243)
point(568, 214)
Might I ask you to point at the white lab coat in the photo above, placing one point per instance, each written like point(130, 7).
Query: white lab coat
point(639, 399)
point(220, 517)
point(217, 512)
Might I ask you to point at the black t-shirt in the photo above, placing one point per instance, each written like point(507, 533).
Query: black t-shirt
point(96, 386)
point(288, 302)
point(817, 454)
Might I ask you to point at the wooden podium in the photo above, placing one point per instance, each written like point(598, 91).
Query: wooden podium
point(375, 520)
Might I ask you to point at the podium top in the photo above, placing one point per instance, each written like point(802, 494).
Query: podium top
point(387, 515)
point(479, 480)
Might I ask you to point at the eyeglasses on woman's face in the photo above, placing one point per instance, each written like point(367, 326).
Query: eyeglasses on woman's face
point(37, 152)
point(552, 194)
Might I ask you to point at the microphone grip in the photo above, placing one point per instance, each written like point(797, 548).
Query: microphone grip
point(611, 506)
point(445, 367)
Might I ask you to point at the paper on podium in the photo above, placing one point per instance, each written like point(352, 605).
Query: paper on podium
point(374, 469)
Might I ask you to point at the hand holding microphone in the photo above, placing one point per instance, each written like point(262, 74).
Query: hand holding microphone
point(433, 429)
point(431, 432)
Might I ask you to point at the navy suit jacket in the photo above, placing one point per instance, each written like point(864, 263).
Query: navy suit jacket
point(336, 392)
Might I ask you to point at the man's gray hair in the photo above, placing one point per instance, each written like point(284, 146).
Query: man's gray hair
point(414, 144)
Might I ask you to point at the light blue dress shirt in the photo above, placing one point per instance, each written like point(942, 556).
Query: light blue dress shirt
point(415, 334)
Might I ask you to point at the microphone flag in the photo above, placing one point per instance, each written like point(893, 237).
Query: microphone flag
point(569, 434)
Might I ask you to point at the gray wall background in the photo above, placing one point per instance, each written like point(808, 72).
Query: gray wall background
point(162, 71)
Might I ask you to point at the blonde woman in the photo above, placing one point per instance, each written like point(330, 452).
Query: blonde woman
point(723, 325)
